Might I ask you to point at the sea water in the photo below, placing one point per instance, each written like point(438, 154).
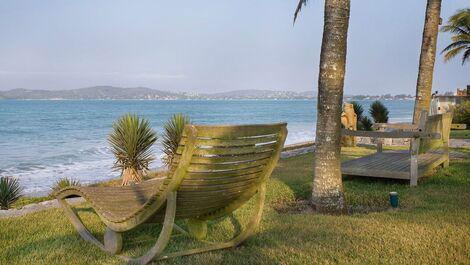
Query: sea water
point(44, 140)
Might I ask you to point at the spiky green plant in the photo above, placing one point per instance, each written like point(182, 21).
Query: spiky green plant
point(63, 183)
point(10, 192)
point(172, 136)
point(131, 142)
point(378, 112)
point(459, 25)
point(366, 124)
point(358, 109)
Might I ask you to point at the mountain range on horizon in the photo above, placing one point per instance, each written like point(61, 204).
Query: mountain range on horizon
point(112, 92)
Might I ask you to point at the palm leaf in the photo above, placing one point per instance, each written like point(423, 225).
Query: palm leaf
point(299, 8)
point(172, 136)
point(466, 56)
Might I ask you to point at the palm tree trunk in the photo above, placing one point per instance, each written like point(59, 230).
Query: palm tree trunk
point(427, 58)
point(327, 193)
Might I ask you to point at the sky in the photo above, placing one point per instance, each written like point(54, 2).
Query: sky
point(213, 46)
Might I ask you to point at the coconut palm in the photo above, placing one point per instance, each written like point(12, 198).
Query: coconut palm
point(459, 25)
point(10, 192)
point(131, 140)
point(327, 195)
point(427, 58)
point(172, 136)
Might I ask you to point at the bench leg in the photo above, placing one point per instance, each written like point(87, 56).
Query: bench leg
point(162, 241)
point(246, 233)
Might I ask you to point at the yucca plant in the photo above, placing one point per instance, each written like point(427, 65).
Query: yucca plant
point(378, 112)
point(172, 135)
point(131, 142)
point(366, 124)
point(10, 192)
point(63, 183)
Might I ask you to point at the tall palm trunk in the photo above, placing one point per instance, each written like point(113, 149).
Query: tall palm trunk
point(427, 58)
point(327, 184)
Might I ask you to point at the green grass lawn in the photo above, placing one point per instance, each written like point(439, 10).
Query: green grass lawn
point(460, 134)
point(432, 226)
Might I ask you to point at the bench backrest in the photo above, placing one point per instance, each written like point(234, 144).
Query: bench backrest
point(438, 123)
point(223, 166)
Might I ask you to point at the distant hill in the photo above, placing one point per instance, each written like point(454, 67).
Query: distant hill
point(110, 92)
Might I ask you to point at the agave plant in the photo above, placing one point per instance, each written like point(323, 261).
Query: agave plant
point(378, 112)
point(131, 142)
point(10, 192)
point(63, 183)
point(172, 136)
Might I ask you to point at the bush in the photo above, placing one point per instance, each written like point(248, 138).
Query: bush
point(378, 112)
point(10, 192)
point(366, 124)
point(462, 113)
point(363, 122)
point(131, 141)
point(171, 137)
point(63, 183)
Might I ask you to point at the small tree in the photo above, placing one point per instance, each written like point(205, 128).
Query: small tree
point(378, 112)
point(462, 113)
point(131, 140)
point(10, 192)
point(172, 136)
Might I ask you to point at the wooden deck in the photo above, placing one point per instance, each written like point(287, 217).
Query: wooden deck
point(395, 165)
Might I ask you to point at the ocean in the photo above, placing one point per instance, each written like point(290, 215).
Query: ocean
point(44, 140)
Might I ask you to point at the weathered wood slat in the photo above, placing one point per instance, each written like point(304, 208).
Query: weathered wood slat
point(232, 142)
point(238, 158)
point(236, 131)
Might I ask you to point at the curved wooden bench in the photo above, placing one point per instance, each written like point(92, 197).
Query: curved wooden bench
point(216, 170)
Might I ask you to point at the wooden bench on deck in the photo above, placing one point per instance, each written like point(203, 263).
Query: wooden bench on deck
point(429, 148)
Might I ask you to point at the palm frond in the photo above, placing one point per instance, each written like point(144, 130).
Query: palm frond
point(10, 192)
point(466, 56)
point(452, 53)
point(456, 44)
point(299, 8)
point(172, 136)
point(459, 25)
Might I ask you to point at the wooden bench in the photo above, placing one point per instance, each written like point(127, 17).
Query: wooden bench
point(216, 170)
point(429, 148)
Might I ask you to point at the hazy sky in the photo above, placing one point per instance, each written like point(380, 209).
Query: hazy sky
point(209, 46)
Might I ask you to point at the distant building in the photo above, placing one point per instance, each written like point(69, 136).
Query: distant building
point(443, 103)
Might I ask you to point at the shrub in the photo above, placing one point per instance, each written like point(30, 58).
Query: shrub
point(358, 109)
point(10, 192)
point(378, 112)
point(363, 122)
point(63, 183)
point(172, 136)
point(131, 141)
point(366, 124)
point(462, 113)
